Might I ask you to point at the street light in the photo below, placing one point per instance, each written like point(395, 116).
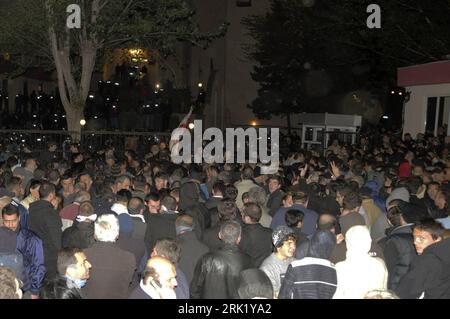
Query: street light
point(83, 122)
point(191, 126)
point(254, 123)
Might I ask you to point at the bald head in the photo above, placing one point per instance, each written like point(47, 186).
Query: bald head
point(327, 222)
point(159, 263)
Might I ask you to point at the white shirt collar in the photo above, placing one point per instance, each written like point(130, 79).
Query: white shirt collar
point(119, 209)
point(138, 216)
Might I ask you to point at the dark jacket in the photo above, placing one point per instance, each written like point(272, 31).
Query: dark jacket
point(79, 235)
point(111, 273)
point(330, 206)
point(213, 202)
point(47, 157)
point(159, 226)
point(182, 288)
point(211, 238)
point(301, 237)
point(399, 251)
point(214, 213)
point(138, 293)
point(413, 199)
point(9, 256)
point(192, 250)
point(190, 204)
point(351, 219)
point(217, 273)
point(139, 227)
point(437, 213)
point(44, 221)
point(32, 250)
point(132, 245)
point(137, 248)
point(256, 241)
point(274, 201)
point(429, 273)
point(309, 220)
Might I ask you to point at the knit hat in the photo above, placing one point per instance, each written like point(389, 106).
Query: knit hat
point(280, 234)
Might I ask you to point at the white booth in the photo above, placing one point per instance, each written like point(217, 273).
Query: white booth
point(427, 106)
point(317, 128)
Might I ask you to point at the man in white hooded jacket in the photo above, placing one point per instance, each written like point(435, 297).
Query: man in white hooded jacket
point(359, 273)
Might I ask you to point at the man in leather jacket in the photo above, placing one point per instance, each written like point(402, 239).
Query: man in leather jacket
point(216, 274)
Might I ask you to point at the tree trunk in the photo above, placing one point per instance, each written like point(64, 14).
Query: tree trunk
point(73, 116)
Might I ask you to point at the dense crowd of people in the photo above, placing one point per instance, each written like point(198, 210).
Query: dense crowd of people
point(369, 220)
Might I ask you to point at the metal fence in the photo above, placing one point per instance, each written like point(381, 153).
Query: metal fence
point(37, 140)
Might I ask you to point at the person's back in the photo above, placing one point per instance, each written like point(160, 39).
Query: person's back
point(216, 274)
point(132, 245)
point(79, 235)
point(359, 273)
point(112, 271)
point(274, 201)
point(310, 218)
point(45, 222)
point(398, 249)
point(210, 238)
point(227, 210)
point(222, 268)
point(312, 277)
point(191, 248)
point(256, 240)
point(300, 203)
point(159, 226)
point(190, 203)
point(139, 227)
point(112, 267)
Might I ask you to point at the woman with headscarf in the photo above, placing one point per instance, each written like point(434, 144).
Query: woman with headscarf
point(312, 277)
